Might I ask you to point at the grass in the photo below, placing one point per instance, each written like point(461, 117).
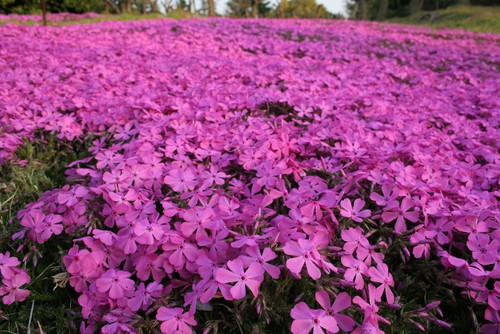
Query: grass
point(50, 311)
point(473, 18)
point(177, 14)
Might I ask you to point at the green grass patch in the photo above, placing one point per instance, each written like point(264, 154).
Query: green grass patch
point(42, 167)
point(473, 18)
point(177, 14)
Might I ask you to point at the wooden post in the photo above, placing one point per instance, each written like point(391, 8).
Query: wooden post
point(44, 12)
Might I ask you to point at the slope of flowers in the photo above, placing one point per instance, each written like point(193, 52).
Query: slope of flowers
point(52, 17)
point(232, 155)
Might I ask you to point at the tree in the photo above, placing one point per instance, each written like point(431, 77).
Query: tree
point(301, 8)
point(362, 10)
point(255, 9)
point(211, 8)
point(416, 6)
point(243, 8)
point(383, 7)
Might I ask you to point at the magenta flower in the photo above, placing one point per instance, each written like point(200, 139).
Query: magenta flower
point(11, 291)
point(180, 251)
point(197, 220)
point(8, 265)
point(148, 233)
point(304, 252)
point(400, 213)
point(381, 275)
point(181, 180)
point(143, 296)
point(251, 278)
point(355, 272)
point(261, 258)
point(342, 302)
point(493, 327)
point(306, 319)
point(174, 321)
point(152, 265)
point(388, 197)
point(370, 309)
point(115, 282)
point(50, 225)
point(355, 241)
point(72, 196)
point(483, 248)
point(355, 211)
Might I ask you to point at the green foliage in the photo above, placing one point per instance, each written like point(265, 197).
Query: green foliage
point(43, 166)
point(302, 9)
point(404, 8)
point(75, 6)
point(243, 8)
point(53, 6)
point(19, 6)
point(474, 18)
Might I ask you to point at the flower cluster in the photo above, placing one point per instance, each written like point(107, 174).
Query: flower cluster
point(13, 278)
point(52, 17)
point(234, 153)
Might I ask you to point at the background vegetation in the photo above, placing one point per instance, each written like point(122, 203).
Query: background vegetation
point(474, 15)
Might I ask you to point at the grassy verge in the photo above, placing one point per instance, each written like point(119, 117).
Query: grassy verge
point(473, 18)
point(121, 17)
point(42, 168)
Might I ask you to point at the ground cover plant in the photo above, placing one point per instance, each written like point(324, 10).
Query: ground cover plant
point(53, 17)
point(249, 176)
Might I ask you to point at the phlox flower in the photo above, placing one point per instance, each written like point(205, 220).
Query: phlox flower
point(388, 197)
point(181, 180)
point(493, 327)
point(422, 245)
point(8, 265)
point(216, 242)
point(440, 231)
point(370, 309)
point(11, 289)
point(251, 278)
point(355, 241)
point(354, 211)
point(400, 213)
point(483, 248)
point(115, 282)
point(148, 233)
point(49, 226)
point(255, 255)
point(213, 176)
point(197, 220)
point(303, 252)
point(143, 296)
point(307, 319)
point(152, 264)
point(179, 251)
point(175, 321)
point(381, 275)
point(71, 197)
point(121, 202)
point(119, 321)
point(356, 269)
point(341, 302)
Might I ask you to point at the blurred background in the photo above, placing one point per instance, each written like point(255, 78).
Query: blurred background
point(349, 9)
